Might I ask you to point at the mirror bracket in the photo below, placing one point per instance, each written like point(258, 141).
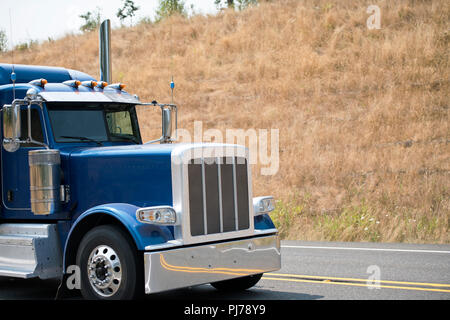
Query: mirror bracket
point(12, 124)
point(166, 111)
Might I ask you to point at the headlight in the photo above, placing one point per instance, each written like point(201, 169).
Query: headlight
point(157, 215)
point(263, 205)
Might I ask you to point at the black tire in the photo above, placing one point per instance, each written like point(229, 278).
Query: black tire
point(123, 259)
point(238, 284)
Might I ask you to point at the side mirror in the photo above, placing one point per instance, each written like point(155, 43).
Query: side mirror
point(166, 124)
point(11, 127)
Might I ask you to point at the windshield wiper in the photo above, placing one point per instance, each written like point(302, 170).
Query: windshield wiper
point(127, 138)
point(82, 139)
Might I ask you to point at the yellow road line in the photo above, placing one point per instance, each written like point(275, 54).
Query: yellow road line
point(360, 280)
point(355, 284)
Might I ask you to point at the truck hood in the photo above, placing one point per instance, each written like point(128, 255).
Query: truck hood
point(133, 174)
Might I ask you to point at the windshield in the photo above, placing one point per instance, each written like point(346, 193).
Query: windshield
point(94, 123)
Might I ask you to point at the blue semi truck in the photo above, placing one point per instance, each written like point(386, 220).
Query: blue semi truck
point(84, 200)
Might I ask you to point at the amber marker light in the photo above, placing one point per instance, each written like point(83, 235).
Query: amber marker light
point(102, 84)
point(89, 83)
point(39, 82)
point(117, 86)
point(72, 83)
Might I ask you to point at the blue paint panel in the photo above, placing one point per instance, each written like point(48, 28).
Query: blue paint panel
point(263, 222)
point(26, 73)
point(78, 75)
point(135, 174)
point(143, 234)
point(6, 92)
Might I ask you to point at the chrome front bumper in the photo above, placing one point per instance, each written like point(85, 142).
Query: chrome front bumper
point(190, 266)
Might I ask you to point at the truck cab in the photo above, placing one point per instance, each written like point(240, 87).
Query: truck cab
point(85, 200)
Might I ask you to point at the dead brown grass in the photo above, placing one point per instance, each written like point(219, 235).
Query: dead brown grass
point(363, 114)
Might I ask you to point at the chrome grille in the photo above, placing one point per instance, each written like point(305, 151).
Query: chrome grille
point(218, 195)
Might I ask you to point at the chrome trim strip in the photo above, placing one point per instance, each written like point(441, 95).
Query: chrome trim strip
point(166, 245)
point(107, 95)
point(250, 192)
point(205, 215)
point(219, 182)
point(266, 231)
point(184, 267)
point(236, 216)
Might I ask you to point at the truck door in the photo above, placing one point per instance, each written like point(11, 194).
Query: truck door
point(15, 172)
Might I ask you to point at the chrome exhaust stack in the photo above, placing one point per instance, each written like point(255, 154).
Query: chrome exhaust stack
point(104, 51)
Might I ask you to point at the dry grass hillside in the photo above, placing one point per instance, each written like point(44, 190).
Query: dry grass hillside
point(363, 115)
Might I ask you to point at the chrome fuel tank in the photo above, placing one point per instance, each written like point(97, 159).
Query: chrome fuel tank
point(45, 180)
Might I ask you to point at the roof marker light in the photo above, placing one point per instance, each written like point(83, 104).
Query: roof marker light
point(118, 86)
point(102, 84)
point(89, 83)
point(39, 82)
point(72, 83)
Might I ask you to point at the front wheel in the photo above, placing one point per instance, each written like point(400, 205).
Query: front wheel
point(238, 284)
point(109, 265)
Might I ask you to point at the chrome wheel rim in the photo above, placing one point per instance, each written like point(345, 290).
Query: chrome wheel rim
point(104, 271)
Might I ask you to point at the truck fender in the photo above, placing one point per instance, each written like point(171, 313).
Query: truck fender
point(121, 214)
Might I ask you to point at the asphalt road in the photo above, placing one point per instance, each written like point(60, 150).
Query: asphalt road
point(315, 270)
